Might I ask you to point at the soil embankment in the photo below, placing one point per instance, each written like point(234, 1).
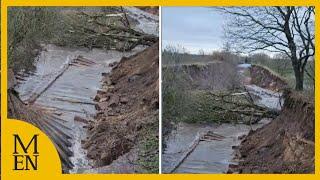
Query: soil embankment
point(282, 145)
point(216, 75)
point(286, 145)
point(66, 77)
point(127, 116)
point(265, 78)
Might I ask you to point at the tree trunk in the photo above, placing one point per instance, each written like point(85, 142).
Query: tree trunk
point(299, 77)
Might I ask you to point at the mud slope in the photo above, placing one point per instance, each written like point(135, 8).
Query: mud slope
point(216, 75)
point(127, 108)
point(265, 78)
point(286, 145)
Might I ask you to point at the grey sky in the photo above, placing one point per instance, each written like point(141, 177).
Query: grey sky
point(194, 28)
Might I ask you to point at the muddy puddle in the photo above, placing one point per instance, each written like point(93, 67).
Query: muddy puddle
point(70, 94)
point(213, 156)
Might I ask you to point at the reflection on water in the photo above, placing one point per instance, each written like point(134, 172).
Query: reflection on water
point(72, 93)
point(209, 156)
point(213, 156)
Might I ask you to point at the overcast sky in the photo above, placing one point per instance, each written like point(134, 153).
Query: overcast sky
point(194, 28)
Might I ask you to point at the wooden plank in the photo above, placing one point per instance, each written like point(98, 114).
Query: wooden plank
point(201, 136)
point(37, 94)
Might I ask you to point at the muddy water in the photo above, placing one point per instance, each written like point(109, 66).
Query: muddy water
point(209, 156)
point(73, 92)
point(266, 97)
point(147, 23)
point(213, 156)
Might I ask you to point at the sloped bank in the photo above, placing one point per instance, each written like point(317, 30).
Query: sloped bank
point(286, 145)
point(127, 117)
point(216, 75)
point(265, 78)
point(222, 107)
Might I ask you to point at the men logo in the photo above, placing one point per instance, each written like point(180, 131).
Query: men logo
point(23, 160)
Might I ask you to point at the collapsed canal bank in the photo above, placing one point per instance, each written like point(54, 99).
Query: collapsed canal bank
point(64, 84)
point(127, 116)
point(286, 145)
point(221, 155)
point(80, 111)
point(58, 96)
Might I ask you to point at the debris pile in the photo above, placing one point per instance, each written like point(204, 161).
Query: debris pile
point(286, 145)
point(127, 108)
point(266, 79)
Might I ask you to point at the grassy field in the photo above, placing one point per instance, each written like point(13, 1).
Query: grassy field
point(283, 68)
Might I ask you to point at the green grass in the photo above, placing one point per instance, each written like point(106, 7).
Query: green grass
point(284, 70)
point(148, 158)
point(173, 58)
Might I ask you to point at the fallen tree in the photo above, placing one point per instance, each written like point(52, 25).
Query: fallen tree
point(286, 145)
point(226, 106)
point(244, 105)
point(101, 33)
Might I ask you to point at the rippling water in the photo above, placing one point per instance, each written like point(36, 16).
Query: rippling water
point(213, 156)
point(209, 156)
point(73, 92)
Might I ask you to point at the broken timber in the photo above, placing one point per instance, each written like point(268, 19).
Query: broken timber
point(51, 125)
point(201, 136)
point(78, 60)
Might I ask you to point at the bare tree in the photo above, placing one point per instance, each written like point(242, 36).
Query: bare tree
point(201, 52)
point(226, 47)
point(287, 30)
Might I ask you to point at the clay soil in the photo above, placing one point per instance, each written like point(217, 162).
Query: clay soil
point(127, 108)
point(262, 77)
point(286, 145)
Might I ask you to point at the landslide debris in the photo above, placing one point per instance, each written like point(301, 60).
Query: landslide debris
point(127, 114)
point(286, 145)
point(217, 75)
point(265, 78)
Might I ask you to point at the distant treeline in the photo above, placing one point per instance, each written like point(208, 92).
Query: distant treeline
point(277, 63)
